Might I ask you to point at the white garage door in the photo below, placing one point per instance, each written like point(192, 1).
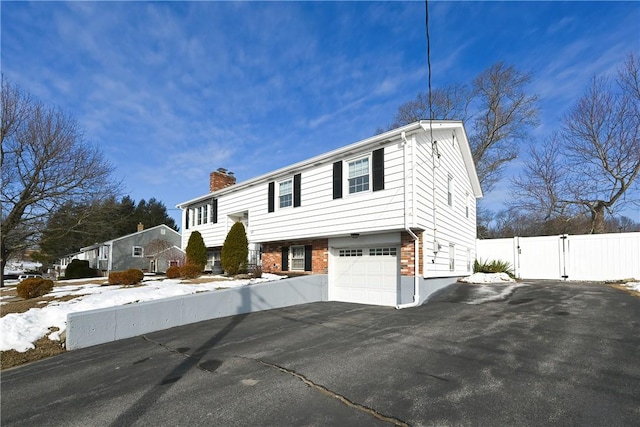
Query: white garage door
point(366, 276)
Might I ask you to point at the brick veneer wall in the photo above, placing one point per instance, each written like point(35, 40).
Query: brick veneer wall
point(407, 254)
point(272, 255)
point(220, 179)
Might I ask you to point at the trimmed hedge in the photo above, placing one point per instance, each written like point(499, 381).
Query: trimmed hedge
point(173, 272)
point(126, 278)
point(34, 287)
point(190, 271)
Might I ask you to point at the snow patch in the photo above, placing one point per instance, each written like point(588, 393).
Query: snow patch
point(487, 278)
point(21, 330)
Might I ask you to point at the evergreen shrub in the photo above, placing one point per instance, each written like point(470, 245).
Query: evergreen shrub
point(79, 269)
point(196, 251)
point(235, 250)
point(34, 287)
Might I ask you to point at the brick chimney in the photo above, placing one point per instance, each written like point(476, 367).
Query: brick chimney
point(140, 227)
point(220, 179)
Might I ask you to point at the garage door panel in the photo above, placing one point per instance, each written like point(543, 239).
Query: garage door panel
point(366, 276)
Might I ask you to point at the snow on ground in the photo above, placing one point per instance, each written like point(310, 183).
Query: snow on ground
point(21, 330)
point(487, 278)
point(491, 287)
point(634, 286)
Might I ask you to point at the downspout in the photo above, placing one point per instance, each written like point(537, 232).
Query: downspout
point(407, 228)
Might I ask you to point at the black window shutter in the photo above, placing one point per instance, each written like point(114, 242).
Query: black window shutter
point(296, 189)
point(186, 223)
point(214, 211)
point(337, 180)
point(285, 258)
point(378, 169)
point(308, 252)
point(272, 196)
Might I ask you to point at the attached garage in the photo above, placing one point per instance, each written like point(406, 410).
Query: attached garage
point(368, 274)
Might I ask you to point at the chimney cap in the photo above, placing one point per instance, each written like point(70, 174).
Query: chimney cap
point(222, 170)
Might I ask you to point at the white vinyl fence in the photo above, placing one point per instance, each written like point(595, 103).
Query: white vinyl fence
point(581, 257)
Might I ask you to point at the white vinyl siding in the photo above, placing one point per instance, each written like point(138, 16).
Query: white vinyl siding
point(367, 212)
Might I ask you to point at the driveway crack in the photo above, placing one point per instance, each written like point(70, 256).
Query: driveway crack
point(324, 390)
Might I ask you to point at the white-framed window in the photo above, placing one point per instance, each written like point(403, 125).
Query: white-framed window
point(205, 214)
point(450, 190)
point(297, 258)
point(137, 251)
point(199, 209)
point(359, 174)
point(466, 207)
point(452, 257)
point(285, 193)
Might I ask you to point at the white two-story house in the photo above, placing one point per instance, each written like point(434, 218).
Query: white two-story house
point(386, 221)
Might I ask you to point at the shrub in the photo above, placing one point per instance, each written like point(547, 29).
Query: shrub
point(126, 278)
point(173, 272)
point(190, 271)
point(235, 250)
point(256, 271)
point(196, 250)
point(493, 266)
point(34, 287)
point(79, 269)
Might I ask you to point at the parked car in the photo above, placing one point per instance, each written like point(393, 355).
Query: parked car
point(29, 276)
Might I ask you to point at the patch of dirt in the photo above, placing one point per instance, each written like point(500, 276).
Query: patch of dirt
point(23, 305)
point(44, 348)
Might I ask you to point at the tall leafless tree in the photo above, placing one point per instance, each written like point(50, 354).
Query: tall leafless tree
point(45, 163)
point(595, 160)
point(497, 111)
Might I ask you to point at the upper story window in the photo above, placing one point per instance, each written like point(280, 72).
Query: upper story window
point(285, 193)
point(359, 175)
point(450, 190)
point(137, 251)
point(199, 210)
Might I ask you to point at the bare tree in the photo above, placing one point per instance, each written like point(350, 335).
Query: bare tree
point(448, 103)
point(45, 164)
point(497, 108)
point(598, 148)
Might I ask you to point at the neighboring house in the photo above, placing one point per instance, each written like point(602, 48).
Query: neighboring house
point(387, 220)
point(151, 250)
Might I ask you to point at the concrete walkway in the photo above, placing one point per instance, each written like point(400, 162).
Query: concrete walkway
point(549, 354)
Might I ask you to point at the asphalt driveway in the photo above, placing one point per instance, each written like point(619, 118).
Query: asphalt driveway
point(548, 354)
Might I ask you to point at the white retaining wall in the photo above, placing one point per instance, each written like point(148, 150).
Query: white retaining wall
point(94, 327)
point(596, 257)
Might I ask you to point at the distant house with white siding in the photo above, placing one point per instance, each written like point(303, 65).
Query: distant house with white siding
point(386, 221)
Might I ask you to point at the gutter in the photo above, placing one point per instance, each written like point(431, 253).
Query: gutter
point(407, 228)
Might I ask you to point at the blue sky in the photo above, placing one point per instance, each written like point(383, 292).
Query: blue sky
point(171, 91)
